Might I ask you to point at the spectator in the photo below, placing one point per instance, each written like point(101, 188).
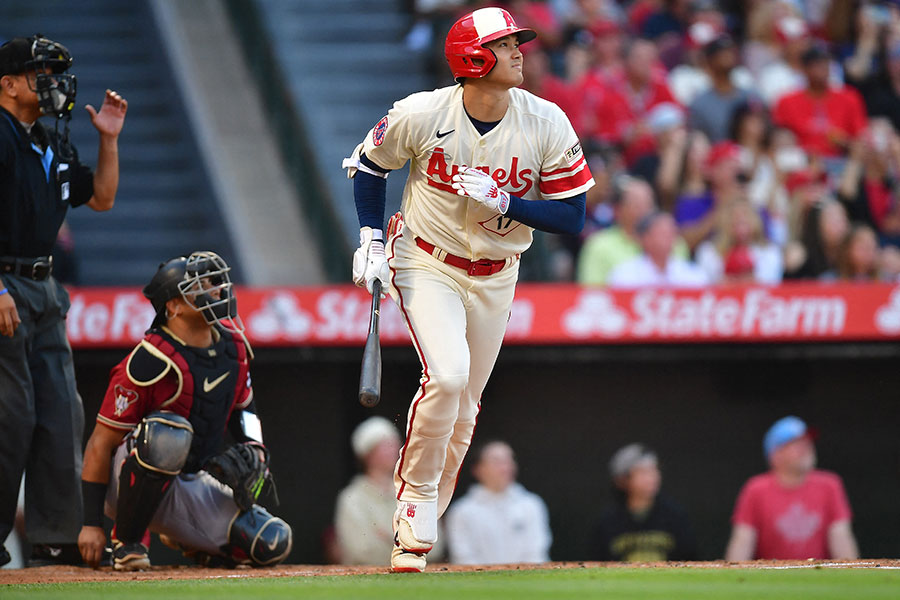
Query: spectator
point(606, 249)
point(712, 111)
point(622, 112)
point(642, 525)
point(739, 251)
point(498, 521)
point(662, 168)
point(824, 119)
point(658, 265)
point(365, 508)
point(541, 81)
point(858, 255)
point(785, 74)
point(815, 254)
point(696, 212)
point(752, 131)
point(681, 171)
point(868, 185)
point(794, 511)
point(688, 79)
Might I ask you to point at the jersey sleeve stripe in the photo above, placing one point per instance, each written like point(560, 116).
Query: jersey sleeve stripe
point(574, 167)
point(116, 424)
point(246, 401)
point(564, 184)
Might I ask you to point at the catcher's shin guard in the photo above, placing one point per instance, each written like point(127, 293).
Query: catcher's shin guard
point(257, 538)
point(161, 445)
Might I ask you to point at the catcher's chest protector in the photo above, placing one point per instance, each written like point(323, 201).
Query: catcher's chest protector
point(210, 380)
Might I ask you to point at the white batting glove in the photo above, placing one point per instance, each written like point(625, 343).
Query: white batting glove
point(481, 187)
point(369, 260)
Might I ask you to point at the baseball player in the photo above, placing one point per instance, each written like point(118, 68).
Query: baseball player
point(154, 459)
point(489, 162)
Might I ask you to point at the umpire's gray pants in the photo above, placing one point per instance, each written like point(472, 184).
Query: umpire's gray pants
point(41, 417)
point(196, 511)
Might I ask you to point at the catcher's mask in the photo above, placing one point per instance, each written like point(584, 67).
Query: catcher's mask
point(203, 282)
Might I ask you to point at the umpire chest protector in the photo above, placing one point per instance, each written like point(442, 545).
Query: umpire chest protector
point(209, 381)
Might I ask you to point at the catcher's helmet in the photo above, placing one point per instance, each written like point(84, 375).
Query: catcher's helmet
point(465, 49)
point(203, 282)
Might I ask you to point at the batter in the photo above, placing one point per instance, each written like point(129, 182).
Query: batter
point(489, 163)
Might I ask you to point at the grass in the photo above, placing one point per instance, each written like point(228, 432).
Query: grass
point(645, 584)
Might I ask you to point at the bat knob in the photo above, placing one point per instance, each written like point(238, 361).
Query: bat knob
point(369, 397)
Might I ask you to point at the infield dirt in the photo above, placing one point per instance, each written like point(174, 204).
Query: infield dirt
point(158, 573)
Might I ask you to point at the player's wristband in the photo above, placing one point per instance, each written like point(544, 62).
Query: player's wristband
point(4, 291)
point(94, 495)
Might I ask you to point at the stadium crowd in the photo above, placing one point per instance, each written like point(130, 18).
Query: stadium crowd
point(767, 129)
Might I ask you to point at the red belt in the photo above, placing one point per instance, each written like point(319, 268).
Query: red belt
point(476, 268)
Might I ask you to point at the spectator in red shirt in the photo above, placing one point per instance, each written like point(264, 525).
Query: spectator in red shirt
point(541, 81)
point(794, 511)
point(621, 115)
point(824, 119)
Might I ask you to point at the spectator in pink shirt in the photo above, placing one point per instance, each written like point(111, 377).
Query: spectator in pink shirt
point(793, 511)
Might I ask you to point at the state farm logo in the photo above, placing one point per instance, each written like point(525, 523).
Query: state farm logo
point(280, 316)
point(595, 313)
point(101, 321)
point(659, 313)
point(887, 318)
point(512, 180)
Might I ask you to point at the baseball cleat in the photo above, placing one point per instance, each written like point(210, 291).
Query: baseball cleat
point(406, 562)
point(130, 557)
point(415, 526)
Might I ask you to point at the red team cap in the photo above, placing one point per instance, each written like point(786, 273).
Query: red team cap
point(465, 49)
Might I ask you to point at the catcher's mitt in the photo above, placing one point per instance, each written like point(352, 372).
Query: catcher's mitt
point(241, 468)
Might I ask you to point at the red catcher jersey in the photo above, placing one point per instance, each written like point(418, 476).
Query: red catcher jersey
point(532, 153)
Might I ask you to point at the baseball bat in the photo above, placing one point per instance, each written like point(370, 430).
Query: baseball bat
point(370, 374)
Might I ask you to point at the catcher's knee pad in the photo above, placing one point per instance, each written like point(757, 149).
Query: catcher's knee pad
point(256, 537)
point(162, 442)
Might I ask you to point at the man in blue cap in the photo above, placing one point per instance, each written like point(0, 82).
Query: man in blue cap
point(793, 511)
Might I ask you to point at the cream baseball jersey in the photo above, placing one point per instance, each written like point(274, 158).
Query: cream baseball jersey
point(532, 153)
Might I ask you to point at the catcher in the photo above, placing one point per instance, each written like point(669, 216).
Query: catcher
point(154, 461)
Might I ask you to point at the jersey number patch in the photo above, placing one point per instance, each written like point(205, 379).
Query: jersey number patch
point(500, 224)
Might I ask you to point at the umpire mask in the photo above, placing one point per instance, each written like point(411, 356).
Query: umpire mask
point(55, 90)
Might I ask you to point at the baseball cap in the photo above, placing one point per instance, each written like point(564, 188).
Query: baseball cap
point(664, 116)
point(721, 42)
point(790, 28)
point(786, 430)
point(370, 433)
point(804, 177)
point(628, 457)
point(723, 150)
point(13, 56)
point(815, 53)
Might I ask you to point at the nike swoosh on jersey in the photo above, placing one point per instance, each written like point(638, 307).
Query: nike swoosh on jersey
point(209, 385)
point(274, 542)
point(440, 135)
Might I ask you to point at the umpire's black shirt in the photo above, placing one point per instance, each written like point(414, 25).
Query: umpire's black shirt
point(37, 186)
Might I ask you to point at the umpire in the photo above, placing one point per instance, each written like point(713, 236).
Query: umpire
point(41, 416)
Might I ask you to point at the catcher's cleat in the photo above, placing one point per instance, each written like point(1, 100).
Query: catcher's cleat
point(406, 562)
point(4, 556)
point(130, 557)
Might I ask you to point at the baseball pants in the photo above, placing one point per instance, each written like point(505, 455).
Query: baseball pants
point(196, 510)
point(457, 323)
point(41, 416)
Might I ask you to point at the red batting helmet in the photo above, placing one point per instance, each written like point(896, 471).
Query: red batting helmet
point(465, 42)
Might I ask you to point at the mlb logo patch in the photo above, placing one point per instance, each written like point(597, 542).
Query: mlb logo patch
point(573, 152)
point(379, 131)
